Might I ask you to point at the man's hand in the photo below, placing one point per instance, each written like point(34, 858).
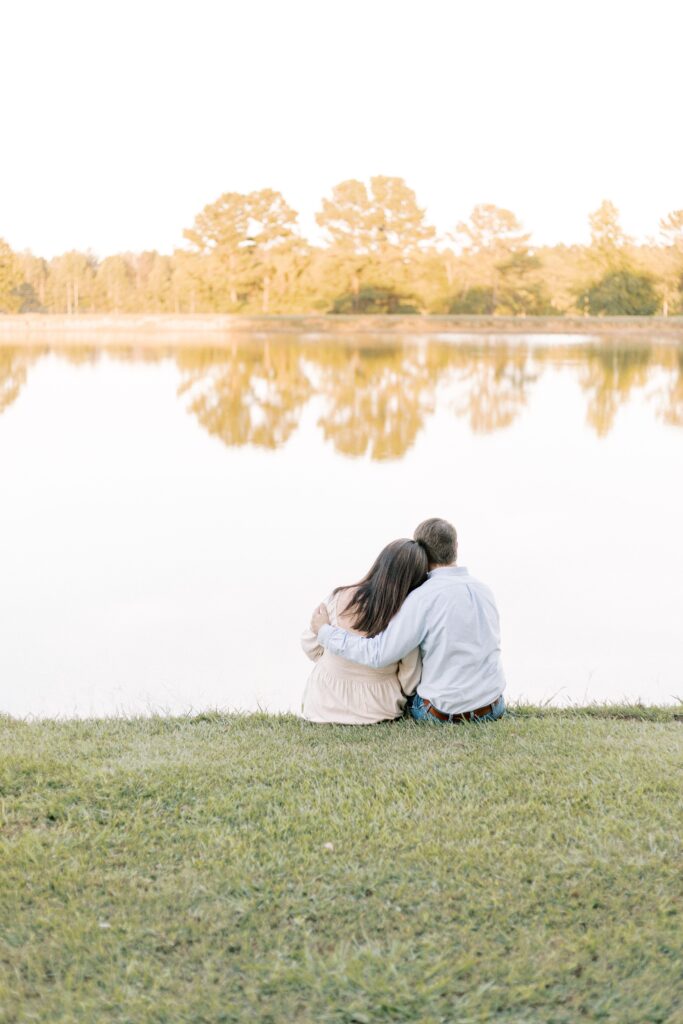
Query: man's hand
point(319, 618)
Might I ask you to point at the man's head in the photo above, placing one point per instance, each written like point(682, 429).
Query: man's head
point(439, 540)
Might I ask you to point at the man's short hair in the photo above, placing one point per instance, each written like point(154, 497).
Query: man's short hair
point(439, 540)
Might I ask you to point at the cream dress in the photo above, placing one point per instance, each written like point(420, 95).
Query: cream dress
point(342, 691)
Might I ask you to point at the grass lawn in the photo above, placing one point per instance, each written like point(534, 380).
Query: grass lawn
point(225, 868)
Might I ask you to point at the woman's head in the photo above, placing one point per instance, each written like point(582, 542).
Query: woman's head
point(399, 568)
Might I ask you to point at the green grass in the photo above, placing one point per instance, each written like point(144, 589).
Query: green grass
point(172, 870)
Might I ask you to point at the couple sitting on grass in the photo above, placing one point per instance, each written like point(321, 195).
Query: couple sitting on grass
point(417, 631)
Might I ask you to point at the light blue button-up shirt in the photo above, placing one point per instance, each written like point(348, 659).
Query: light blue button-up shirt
point(454, 620)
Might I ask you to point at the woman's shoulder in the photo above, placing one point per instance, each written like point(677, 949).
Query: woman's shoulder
point(345, 618)
point(342, 598)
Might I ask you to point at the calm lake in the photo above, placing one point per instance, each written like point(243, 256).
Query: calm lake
point(168, 519)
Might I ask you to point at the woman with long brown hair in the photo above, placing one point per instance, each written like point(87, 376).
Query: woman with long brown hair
point(342, 691)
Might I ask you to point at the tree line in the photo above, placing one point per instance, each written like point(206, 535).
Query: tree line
point(245, 253)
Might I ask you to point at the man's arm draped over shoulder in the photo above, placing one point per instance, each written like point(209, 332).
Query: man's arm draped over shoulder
point(404, 633)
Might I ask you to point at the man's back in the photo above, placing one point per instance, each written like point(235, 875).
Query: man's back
point(461, 661)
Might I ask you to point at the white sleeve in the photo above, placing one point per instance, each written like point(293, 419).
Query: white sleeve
point(410, 672)
point(406, 631)
point(312, 647)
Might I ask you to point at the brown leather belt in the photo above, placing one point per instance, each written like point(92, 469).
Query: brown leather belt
point(460, 716)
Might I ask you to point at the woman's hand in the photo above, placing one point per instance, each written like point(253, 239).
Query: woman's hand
point(319, 618)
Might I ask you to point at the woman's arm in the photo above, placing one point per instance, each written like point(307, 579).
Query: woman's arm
point(312, 648)
point(410, 672)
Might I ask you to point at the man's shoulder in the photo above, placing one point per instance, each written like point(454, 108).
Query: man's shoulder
point(445, 583)
point(421, 597)
point(459, 579)
point(458, 585)
point(436, 589)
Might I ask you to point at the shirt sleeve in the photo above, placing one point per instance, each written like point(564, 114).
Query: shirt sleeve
point(312, 648)
point(406, 631)
point(310, 643)
point(410, 672)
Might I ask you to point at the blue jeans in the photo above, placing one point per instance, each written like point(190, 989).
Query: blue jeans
point(418, 711)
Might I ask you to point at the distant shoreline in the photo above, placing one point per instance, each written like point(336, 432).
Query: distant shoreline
point(152, 329)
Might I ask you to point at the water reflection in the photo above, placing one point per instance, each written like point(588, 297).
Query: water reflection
point(248, 394)
point(498, 386)
point(14, 364)
point(670, 406)
point(375, 395)
point(376, 399)
point(609, 376)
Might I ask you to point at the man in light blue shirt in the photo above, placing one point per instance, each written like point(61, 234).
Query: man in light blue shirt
point(454, 620)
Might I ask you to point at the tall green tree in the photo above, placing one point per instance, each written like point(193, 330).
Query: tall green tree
point(275, 247)
point(671, 266)
point(153, 281)
point(71, 282)
point(609, 243)
point(35, 273)
point(522, 289)
point(622, 293)
point(11, 278)
point(491, 240)
point(221, 232)
point(374, 233)
point(492, 231)
point(190, 284)
point(671, 230)
point(246, 238)
point(116, 278)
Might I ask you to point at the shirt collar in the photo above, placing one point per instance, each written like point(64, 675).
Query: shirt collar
point(449, 570)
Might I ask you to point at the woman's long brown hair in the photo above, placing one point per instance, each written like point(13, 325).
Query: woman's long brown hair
point(399, 568)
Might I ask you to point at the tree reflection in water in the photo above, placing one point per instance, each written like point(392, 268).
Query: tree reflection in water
point(248, 394)
point(376, 395)
point(14, 364)
point(670, 399)
point(496, 381)
point(376, 399)
point(609, 375)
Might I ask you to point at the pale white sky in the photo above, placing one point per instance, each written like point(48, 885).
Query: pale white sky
point(122, 119)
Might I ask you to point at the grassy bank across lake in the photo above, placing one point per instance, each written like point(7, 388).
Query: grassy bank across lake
point(153, 330)
point(257, 868)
